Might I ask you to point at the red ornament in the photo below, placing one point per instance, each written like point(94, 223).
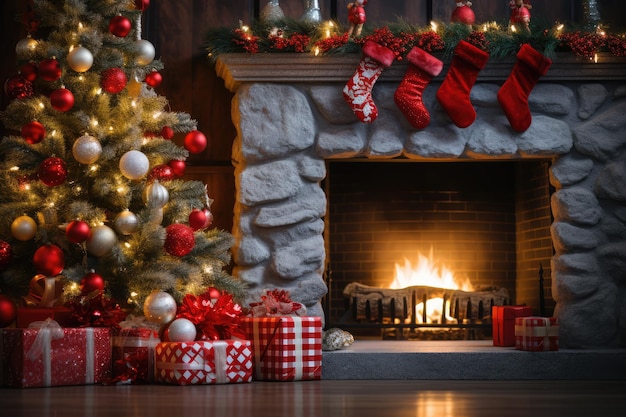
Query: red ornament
point(214, 293)
point(29, 71)
point(142, 4)
point(195, 141)
point(49, 69)
point(33, 132)
point(463, 14)
point(6, 254)
point(62, 99)
point(16, 86)
point(77, 231)
point(154, 79)
point(113, 80)
point(167, 132)
point(197, 219)
point(178, 167)
point(49, 260)
point(120, 26)
point(52, 171)
point(8, 311)
point(179, 239)
point(91, 282)
point(161, 173)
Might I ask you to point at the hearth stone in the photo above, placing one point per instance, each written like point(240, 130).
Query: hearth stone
point(287, 128)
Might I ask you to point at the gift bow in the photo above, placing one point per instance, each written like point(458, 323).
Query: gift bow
point(49, 330)
point(276, 303)
point(43, 291)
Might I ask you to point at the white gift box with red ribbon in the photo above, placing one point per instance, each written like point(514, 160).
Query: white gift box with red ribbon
point(203, 362)
point(537, 333)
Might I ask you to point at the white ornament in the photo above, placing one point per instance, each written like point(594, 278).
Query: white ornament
point(145, 52)
point(155, 195)
point(86, 149)
point(80, 59)
point(134, 165)
point(181, 330)
point(160, 307)
point(126, 222)
point(101, 240)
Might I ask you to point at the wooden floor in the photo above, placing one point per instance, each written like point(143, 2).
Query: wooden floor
point(325, 399)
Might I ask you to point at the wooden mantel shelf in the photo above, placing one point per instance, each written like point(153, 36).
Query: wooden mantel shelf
point(239, 68)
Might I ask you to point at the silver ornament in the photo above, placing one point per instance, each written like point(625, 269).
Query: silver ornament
point(126, 222)
point(86, 149)
point(181, 330)
point(271, 12)
point(80, 59)
point(134, 165)
point(159, 307)
point(101, 240)
point(155, 195)
point(25, 46)
point(312, 13)
point(145, 52)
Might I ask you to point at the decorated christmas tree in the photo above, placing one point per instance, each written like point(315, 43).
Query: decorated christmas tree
point(93, 195)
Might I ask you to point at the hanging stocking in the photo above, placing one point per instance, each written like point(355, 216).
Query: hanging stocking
point(408, 97)
point(513, 95)
point(454, 93)
point(358, 91)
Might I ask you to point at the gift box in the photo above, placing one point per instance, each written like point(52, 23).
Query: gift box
point(60, 314)
point(285, 348)
point(503, 323)
point(203, 362)
point(537, 333)
point(53, 356)
point(133, 354)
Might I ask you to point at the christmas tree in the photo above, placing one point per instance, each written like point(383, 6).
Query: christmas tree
point(92, 180)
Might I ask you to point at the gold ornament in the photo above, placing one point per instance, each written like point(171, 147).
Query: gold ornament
point(160, 307)
point(126, 222)
point(25, 46)
point(101, 240)
point(24, 228)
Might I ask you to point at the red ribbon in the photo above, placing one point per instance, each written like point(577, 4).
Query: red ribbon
point(96, 310)
point(215, 318)
point(276, 303)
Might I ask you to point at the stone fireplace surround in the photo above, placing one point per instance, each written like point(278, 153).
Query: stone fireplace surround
point(290, 118)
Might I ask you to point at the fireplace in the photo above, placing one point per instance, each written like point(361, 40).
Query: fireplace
point(438, 224)
point(292, 125)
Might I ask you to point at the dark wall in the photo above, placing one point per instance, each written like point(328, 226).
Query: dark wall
point(177, 29)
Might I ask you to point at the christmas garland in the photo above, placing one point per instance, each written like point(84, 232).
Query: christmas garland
point(327, 38)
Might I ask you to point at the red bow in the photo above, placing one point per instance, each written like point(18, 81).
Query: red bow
point(276, 303)
point(96, 311)
point(215, 318)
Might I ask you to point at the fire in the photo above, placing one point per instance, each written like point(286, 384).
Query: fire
point(428, 272)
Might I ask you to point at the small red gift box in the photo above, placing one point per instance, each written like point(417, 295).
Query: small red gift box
point(60, 314)
point(503, 323)
point(537, 333)
point(285, 348)
point(54, 356)
point(204, 362)
point(133, 354)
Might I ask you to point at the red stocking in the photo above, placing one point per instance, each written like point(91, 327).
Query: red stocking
point(454, 93)
point(408, 97)
point(358, 91)
point(513, 95)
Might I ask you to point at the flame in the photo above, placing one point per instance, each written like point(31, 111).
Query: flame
point(428, 272)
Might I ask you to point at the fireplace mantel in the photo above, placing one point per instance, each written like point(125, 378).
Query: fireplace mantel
point(238, 68)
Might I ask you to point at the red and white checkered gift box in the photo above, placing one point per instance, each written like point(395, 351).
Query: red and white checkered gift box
point(285, 348)
point(204, 362)
point(537, 333)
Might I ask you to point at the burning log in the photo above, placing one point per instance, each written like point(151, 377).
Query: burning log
point(386, 304)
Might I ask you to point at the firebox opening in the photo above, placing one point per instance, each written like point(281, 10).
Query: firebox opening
point(487, 221)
